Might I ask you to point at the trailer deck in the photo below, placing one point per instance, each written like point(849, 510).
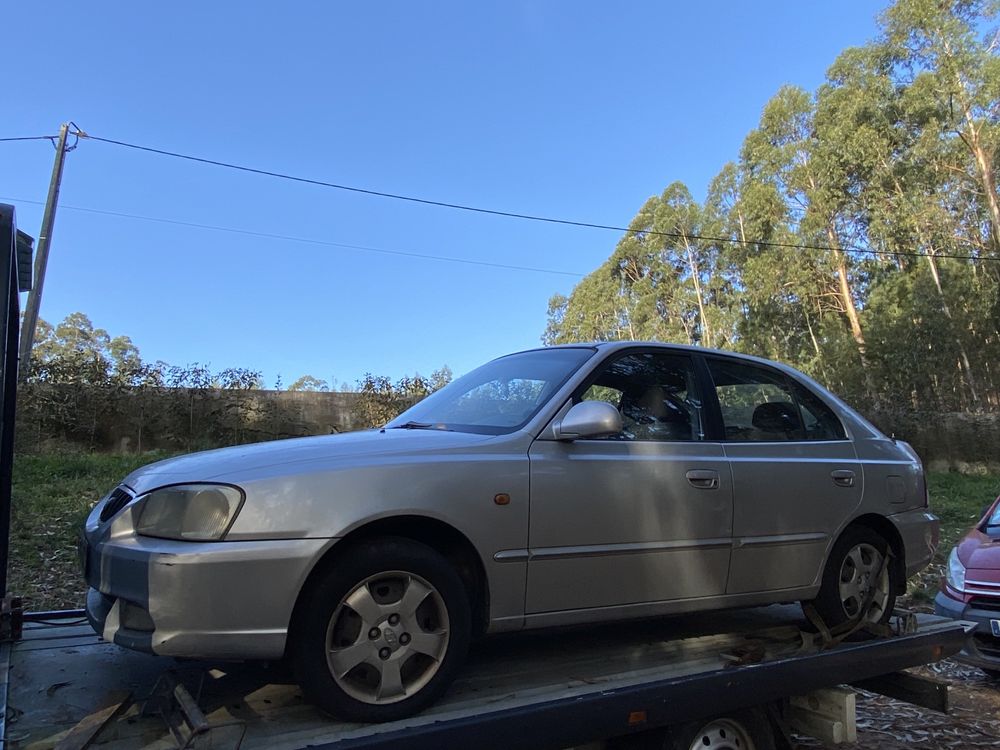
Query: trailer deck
point(534, 690)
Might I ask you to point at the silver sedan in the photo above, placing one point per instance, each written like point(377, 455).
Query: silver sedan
point(550, 487)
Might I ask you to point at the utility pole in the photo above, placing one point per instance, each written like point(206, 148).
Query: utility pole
point(42, 255)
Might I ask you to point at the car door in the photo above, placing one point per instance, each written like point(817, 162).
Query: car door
point(796, 475)
point(643, 516)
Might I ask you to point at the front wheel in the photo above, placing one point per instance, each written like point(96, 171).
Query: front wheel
point(382, 634)
point(858, 583)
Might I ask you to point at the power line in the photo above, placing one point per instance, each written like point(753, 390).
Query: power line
point(30, 138)
point(513, 215)
point(526, 217)
point(304, 240)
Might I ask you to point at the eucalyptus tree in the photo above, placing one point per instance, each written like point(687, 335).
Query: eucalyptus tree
point(796, 192)
point(938, 42)
point(596, 310)
point(889, 142)
point(763, 292)
point(856, 236)
point(945, 59)
point(661, 282)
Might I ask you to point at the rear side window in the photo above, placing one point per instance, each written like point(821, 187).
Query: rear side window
point(760, 404)
point(819, 420)
point(756, 403)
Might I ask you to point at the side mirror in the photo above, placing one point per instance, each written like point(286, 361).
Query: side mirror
point(588, 419)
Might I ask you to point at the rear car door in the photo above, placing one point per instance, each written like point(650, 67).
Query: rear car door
point(796, 475)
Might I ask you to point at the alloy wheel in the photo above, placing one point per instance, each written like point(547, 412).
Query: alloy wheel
point(387, 638)
point(859, 579)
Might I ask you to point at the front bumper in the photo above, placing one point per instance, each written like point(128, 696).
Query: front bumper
point(982, 647)
point(225, 600)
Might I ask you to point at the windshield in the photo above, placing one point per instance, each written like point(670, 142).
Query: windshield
point(499, 397)
point(992, 524)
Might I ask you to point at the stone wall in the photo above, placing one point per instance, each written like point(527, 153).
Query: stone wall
point(190, 419)
point(969, 443)
point(174, 418)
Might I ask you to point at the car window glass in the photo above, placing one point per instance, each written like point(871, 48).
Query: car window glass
point(605, 393)
point(499, 402)
point(756, 403)
point(498, 397)
point(657, 395)
point(819, 420)
point(993, 521)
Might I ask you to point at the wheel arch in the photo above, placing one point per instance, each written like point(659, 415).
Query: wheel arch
point(440, 536)
point(888, 531)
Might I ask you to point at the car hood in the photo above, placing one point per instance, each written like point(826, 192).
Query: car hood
point(979, 551)
point(324, 451)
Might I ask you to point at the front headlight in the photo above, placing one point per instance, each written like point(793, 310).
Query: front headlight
point(190, 512)
point(956, 571)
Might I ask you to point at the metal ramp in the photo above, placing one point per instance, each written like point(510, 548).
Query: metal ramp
point(547, 689)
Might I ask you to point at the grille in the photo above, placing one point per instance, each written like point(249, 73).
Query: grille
point(117, 500)
point(982, 602)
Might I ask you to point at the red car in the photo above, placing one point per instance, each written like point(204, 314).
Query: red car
point(970, 590)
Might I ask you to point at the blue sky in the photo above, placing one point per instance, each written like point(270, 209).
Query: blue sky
point(572, 109)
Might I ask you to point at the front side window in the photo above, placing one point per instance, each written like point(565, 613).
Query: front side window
point(657, 395)
point(499, 397)
point(759, 404)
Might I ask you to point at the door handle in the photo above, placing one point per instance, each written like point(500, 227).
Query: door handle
point(703, 479)
point(843, 477)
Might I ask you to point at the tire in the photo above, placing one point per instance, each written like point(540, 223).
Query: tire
point(740, 730)
point(382, 634)
point(847, 578)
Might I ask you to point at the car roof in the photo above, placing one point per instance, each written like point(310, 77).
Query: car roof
point(612, 346)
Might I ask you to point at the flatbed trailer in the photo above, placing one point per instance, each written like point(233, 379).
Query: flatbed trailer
point(556, 689)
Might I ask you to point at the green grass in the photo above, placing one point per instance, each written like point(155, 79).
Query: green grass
point(53, 494)
point(959, 500)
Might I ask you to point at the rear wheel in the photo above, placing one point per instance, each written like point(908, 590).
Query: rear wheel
point(857, 572)
point(742, 730)
point(383, 633)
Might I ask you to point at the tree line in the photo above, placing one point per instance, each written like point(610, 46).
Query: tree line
point(856, 236)
point(89, 389)
point(75, 352)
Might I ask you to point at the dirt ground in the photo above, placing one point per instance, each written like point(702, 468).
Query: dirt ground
point(973, 721)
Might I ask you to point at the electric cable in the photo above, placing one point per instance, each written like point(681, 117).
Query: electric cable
point(305, 240)
point(30, 138)
point(529, 217)
point(851, 248)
